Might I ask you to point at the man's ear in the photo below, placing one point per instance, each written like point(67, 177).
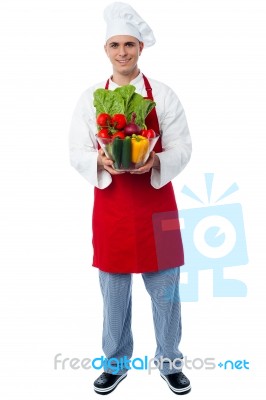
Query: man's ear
point(105, 48)
point(141, 47)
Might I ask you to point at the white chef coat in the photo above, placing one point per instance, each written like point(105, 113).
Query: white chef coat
point(175, 136)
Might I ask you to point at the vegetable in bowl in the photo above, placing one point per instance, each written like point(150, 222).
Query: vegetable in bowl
point(123, 100)
point(122, 133)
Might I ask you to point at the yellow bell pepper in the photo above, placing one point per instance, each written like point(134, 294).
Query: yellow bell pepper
point(139, 148)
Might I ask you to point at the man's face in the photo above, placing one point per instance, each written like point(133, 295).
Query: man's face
point(123, 52)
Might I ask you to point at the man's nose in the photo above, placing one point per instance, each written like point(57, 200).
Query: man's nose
point(122, 51)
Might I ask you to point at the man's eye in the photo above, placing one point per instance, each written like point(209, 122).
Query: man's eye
point(113, 45)
point(130, 44)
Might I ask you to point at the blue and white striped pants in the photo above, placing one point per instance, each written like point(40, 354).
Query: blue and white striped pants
point(163, 288)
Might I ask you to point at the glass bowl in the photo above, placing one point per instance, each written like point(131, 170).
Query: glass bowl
point(128, 154)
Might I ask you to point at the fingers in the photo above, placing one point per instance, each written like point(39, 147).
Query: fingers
point(104, 160)
point(108, 166)
point(107, 163)
point(112, 171)
point(147, 166)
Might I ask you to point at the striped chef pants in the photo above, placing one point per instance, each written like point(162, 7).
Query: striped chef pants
point(117, 339)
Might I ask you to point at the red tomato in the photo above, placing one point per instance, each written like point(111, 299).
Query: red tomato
point(103, 120)
point(104, 133)
point(119, 121)
point(120, 134)
point(148, 133)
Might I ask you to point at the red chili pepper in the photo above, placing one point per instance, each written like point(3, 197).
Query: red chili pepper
point(148, 133)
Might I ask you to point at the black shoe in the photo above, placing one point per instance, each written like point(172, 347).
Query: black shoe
point(177, 382)
point(106, 383)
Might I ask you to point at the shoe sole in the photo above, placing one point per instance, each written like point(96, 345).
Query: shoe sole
point(184, 390)
point(110, 388)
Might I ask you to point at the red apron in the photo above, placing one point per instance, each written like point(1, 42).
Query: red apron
point(135, 226)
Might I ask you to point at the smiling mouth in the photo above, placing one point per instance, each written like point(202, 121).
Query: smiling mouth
point(123, 61)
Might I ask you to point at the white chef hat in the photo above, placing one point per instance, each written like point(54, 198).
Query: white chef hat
point(122, 19)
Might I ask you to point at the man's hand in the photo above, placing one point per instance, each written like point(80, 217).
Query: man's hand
point(152, 162)
point(105, 163)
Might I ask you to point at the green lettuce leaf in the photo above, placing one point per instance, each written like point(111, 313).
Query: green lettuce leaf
point(141, 107)
point(109, 102)
point(123, 100)
point(127, 92)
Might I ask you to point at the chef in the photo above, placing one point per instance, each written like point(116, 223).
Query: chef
point(130, 208)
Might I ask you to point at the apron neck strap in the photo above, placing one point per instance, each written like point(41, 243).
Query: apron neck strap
point(148, 87)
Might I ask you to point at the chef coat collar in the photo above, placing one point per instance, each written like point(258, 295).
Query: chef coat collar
point(135, 82)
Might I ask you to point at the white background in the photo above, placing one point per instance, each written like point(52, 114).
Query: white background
point(212, 53)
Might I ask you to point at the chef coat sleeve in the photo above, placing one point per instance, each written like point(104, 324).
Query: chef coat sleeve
point(176, 142)
point(83, 144)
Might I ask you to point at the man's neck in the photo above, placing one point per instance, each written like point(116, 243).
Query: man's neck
point(122, 80)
